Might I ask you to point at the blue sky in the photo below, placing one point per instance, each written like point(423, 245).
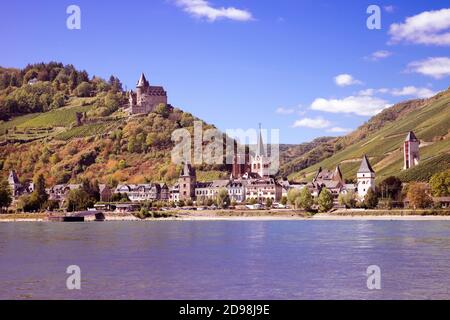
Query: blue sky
point(309, 68)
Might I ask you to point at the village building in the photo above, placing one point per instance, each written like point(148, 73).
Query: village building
point(263, 189)
point(286, 186)
point(60, 192)
point(105, 193)
point(174, 193)
point(17, 188)
point(144, 192)
point(411, 151)
point(331, 180)
point(237, 190)
point(147, 97)
point(365, 178)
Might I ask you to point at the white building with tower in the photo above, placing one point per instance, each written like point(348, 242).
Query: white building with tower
point(260, 162)
point(365, 178)
point(411, 151)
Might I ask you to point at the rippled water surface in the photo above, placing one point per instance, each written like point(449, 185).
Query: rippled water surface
point(226, 259)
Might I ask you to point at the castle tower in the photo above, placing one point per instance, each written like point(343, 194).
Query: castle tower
point(260, 163)
point(140, 89)
point(187, 182)
point(411, 151)
point(365, 178)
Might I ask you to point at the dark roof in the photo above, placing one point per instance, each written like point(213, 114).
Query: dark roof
point(365, 166)
point(411, 137)
point(142, 81)
point(156, 91)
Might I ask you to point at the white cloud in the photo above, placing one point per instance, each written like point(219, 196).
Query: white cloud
point(429, 27)
point(378, 55)
point(339, 130)
point(438, 67)
point(316, 123)
point(282, 110)
point(203, 9)
point(344, 80)
point(359, 105)
point(416, 92)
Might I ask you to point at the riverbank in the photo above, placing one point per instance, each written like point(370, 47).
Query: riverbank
point(257, 215)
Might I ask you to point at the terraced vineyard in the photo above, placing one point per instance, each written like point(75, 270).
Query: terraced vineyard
point(87, 130)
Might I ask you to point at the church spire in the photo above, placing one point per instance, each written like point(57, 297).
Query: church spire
point(260, 145)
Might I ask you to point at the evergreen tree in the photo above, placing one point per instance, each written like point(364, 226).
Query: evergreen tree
point(305, 199)
point(325, 200)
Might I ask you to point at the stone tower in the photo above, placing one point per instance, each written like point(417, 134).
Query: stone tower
point(260, 162)
point(365, 178)
point(187, 182)
point(411, 151)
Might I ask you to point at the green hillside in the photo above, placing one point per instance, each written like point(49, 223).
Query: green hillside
point(431, 124)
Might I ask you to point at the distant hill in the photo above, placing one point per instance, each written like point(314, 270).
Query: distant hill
point(382, 137)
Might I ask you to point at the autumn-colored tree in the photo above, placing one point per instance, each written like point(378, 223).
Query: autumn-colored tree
point(418, 196)
point(440, 184)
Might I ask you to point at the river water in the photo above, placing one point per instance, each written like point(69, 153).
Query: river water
point(226, 259)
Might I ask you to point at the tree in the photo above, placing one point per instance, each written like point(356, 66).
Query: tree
point(418, 196)
point(371, 199)
point(292, 195)
point(305, 199)
point(92, 189)
point(269, 203)
point(132, 144)
point(78, 200)
point(284, 200)
point(390, 187)
point(163, 110)
point(39, 196)
point(325, 200)
point(440, 184)
point(348, 200)
point(5, 195)
point(84, 89)
point(222, 198)
point(59, 99)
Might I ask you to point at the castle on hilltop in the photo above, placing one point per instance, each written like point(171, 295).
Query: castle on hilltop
point(147, 97)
